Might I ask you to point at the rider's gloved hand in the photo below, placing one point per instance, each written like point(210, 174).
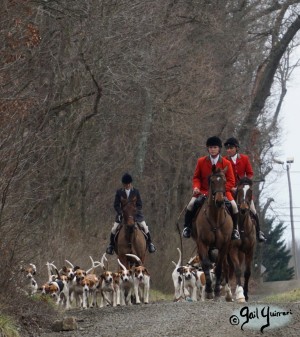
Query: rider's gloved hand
point(196, 192)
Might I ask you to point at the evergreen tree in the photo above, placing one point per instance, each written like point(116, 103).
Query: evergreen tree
point(275, 255)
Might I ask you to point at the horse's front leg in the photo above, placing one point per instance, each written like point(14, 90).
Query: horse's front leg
point(221, 265)
point(234, 256)
point(208, 281)
point(218, 273)
point(226, 277)
point(247, 273)
point(205, 264)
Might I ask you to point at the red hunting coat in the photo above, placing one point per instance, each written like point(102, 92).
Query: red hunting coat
point(204, 169)
point(242, 167)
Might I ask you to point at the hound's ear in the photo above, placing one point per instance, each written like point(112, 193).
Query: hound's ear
point(146, 272)
point(76, 267)
point(180, 270)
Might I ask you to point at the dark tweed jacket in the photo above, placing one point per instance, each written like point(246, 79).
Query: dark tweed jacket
point(133, 193)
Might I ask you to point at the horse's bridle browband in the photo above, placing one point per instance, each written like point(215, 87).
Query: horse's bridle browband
point(217, 191)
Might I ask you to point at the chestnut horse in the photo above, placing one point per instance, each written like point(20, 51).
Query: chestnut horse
point(212, 229)
point(130, 239)
point(241, 251)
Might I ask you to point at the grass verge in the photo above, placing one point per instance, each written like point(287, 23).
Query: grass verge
point(157, 296)
point(289, 296)
point(8, 327)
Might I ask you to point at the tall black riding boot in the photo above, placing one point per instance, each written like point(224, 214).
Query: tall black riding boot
point(259, 234)
point(235, 233)
point(111, 246)
point(151, 247)
point(188, 218)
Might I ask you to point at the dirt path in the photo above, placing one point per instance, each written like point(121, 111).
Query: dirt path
point(212, 318)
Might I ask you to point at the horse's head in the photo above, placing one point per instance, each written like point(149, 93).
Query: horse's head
point(217, 181)
point(244, 195)
point(129, 211)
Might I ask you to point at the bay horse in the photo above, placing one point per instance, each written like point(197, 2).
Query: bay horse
point(242, 251)
point(212, 229)
point(130, 238)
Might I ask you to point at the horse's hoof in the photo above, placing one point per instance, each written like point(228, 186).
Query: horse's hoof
point(209, 296)
point(241, 300)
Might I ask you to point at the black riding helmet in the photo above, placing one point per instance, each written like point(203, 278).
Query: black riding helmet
point(214, 141)
point(232, 141)
point(126, 179)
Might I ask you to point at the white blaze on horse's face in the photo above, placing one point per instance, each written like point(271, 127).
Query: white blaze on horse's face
point(245, 189)
point(244, 203)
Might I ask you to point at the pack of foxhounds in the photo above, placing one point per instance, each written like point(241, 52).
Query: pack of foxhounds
point(74, 287)
point(71, 286)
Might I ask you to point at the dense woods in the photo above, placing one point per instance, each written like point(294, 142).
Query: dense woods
point(93, 89)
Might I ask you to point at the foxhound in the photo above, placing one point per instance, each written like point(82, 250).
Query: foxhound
point(141, 281)
point(126, 285)
point(31, 285)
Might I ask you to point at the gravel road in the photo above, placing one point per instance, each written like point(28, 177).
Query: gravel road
point(193, 319)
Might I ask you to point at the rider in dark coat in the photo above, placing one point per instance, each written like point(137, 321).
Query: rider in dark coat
point(132, 194)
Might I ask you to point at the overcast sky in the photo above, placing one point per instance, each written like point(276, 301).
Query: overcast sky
point(290, 147)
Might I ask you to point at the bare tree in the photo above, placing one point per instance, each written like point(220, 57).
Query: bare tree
point(91, 89)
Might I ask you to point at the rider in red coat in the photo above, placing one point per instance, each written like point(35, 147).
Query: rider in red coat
point(201, 186)
point(242, 168)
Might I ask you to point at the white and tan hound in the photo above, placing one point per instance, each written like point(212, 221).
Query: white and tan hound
point(141, 281)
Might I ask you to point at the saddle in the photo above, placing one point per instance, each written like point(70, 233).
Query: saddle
point(228, 206)
point(135, 225)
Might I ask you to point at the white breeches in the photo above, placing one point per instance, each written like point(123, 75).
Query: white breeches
point(234, 207)
point(142, 224)
point(191, 204)
point(252, 207)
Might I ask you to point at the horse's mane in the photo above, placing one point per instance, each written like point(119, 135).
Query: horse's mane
point(245, 181)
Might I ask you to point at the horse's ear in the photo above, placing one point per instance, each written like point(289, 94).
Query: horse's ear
point(225, 169)
point(214, 168)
